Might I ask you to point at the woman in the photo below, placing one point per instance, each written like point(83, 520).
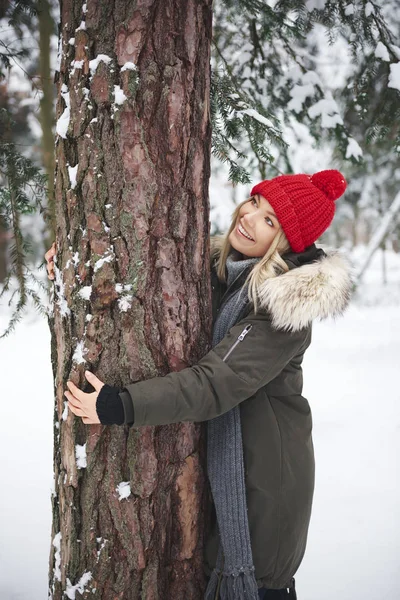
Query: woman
point(269, 282)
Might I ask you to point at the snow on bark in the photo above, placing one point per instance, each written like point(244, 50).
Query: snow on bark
point(80, 453)
point(94, 63)
point(78, 587)
point(128, 66)
point(72, 171)
point(79, 351)
point(85, 292)
point(64, 415)
point(57, 556)
point(63, 121)
point(60, 290)
point(123, 489)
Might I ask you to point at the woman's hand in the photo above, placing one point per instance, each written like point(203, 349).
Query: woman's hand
point(49, 256)
point(83, 404)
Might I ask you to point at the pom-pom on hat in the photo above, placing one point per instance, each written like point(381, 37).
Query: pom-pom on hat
point(303, 204)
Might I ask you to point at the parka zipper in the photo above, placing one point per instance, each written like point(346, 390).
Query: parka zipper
point(239, 339)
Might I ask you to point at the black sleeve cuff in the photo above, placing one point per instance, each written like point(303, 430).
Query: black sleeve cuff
point(109, 406)
point(127, 407)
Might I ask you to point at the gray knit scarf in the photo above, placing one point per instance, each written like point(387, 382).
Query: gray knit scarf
point(225, 468)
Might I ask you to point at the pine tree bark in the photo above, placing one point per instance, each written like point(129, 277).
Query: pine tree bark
point(132, 292)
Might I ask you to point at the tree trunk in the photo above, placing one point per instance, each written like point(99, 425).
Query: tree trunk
point(132, 292)
point(385, 226)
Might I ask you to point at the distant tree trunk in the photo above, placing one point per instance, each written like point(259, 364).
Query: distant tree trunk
point(46, 29)
point(132, 292)
point(387, 223)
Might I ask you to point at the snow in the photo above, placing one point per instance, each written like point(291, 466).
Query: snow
point(394, 76)
point(396, 50)
point(123, 489)
point(256, 115)
point(79, 587)
point(119, 287)
point(79, 351)
point(349, 10)
point(318, 4)
point(93, 64)
point(382, 52)
point(76, 64)
point(82, 26)
point(353, 149)
point(369, 9)
point(328, 110)
point(119, 95)
point(299, 93)
point(64, 415)
point(99, 263)
point(85, 292)
point(60, 290)
point(59, 53)
point(63, 121)
point(57, 556)
point(71, 41)
point(129, 66)
point(80, 454)
point(72, 171)
point(124, 303)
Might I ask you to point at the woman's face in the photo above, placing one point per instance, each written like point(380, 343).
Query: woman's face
point(259, 221)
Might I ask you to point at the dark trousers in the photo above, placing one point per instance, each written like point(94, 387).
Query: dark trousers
point(283, 594)
point(266, 594)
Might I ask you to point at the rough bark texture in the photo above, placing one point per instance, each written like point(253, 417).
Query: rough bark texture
point(135, 228)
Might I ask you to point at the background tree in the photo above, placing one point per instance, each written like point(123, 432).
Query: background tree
point(25, 85)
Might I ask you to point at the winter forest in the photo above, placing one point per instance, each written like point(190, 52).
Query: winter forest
point(129, 133)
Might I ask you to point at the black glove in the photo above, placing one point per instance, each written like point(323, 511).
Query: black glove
point(109, 406)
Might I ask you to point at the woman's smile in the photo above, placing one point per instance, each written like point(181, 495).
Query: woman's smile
point(241, 231)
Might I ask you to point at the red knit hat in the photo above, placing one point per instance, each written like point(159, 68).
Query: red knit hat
point(303, 204)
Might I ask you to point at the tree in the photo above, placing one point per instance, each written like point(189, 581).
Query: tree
point(23, 187)
point(132, 291)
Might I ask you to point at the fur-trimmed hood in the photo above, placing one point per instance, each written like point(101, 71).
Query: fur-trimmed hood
point(312, 289)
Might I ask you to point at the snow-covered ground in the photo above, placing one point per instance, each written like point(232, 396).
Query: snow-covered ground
point(349, 378)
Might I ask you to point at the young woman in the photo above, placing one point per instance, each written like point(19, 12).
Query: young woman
point(269, 281)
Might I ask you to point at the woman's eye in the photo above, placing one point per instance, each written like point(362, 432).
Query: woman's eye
point(266, 218)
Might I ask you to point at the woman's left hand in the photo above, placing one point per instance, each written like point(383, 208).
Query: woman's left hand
point(83, 404)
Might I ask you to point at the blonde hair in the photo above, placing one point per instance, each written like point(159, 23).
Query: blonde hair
point(270, 265)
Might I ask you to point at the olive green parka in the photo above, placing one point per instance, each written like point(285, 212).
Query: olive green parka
point(261, 371)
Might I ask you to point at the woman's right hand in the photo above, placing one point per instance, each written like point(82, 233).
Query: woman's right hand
point(49, 256)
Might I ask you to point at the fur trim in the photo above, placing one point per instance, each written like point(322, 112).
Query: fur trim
point(315, 290)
